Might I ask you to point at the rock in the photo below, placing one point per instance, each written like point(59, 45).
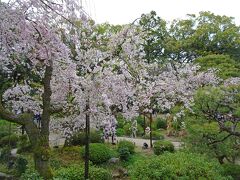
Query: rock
point(116, 175)
point(14, 153)
point(4, 176)
point(123, 172)
point(113, 160)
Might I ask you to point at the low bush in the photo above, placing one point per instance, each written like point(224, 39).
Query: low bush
point(127, 129)
point(140, 121)
point(161, 123)
point(232, 170)
point(156, 135)
point(31, 174)
point(21, 165)
point(124, 153)
point(140, 130)
point(126, 144)
point(178, 165)
point(73, 150)
point(76, 172)
point(159, 147)
point(5, 153)
point(24, 144)
point(3, 134)
point(120, 121)
point(98, 153)
point(9, 140)
point(79, 138)
point(120, 132)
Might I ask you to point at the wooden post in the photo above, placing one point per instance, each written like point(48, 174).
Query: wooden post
point(144, 124)
point(151, 144)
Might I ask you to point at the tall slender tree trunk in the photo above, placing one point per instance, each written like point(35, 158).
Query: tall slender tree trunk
point(144, 124)
point(151, 143)
point(87, 134)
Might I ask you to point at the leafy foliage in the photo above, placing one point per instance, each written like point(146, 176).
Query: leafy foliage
point(124, 153)
point(79, 138)
point(10, 140)
point(126, 144)
point(99, 153)
point(156, 135)
point(161, 123)
point(177, 166)
point(232, 170)
point(76, 172)
point(21, 165)
point(31, 174)
point(23, 144)
point(120, 132)
point(226, 66)
point(159, 147)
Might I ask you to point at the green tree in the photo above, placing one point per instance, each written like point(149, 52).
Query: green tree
point(226, 66)
point(213, 128)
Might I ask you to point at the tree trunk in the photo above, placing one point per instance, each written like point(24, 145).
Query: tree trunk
point(39, 138)
point(144, 124)
point(41, 147)
point(41, 151)
point(42, 165)
point(87, 133)
point(151, 144)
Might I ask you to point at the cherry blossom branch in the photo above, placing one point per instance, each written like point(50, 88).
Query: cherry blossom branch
point(22, 119)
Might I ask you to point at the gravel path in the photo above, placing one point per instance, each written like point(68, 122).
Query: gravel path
point(139, 142)
point(56, 140)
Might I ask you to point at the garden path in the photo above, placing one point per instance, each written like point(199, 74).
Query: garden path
point(56, 140)
point(139, 142)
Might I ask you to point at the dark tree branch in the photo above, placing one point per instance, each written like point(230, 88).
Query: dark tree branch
point(218, 141)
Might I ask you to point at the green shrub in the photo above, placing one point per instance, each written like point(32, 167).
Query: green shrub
point(21, 165)
point(140, 130)
point(5, 153)
point(127, 129)
point(161, 123)
point(140, 121)
point(120, 132)
point(120, 121)
point(55, 163)
point(3, 134)
point(232, 170)
point(6, 128)
point(76, 172)
point(73, 151)
point(24, 144)
point(98, 153)
point(126, 144)
point(178, 165)
point(160, 147)
point(124, 153)
point(31, 174)
point(79, 138)
point(156, 135)
point(9, 140)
